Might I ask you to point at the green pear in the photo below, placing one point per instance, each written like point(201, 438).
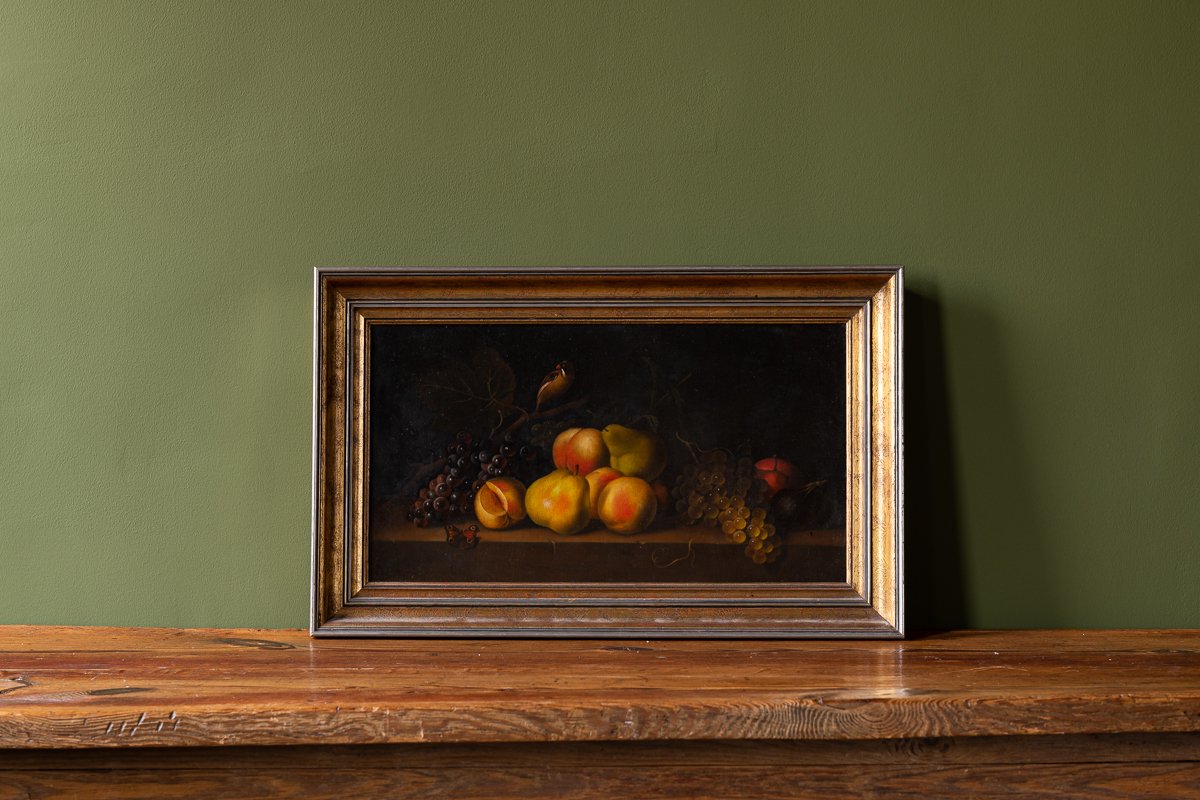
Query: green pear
point(638, 454)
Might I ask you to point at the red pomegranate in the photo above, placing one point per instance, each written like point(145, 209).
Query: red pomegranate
point(776, 472)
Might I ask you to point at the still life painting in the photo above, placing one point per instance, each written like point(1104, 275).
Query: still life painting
point(626, 451)
point(607, 452)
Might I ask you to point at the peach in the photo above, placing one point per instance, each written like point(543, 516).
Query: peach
point(597, 480)
point(627, 505)
point(580, 450)
point(500, 503)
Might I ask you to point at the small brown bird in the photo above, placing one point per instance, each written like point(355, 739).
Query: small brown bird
point(556, 383)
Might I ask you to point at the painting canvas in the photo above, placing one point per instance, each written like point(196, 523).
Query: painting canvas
point(608, 452)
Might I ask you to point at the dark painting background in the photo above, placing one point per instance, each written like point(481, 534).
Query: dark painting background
point(771, 389)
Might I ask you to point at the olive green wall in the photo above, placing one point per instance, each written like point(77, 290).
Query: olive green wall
point(170, 173)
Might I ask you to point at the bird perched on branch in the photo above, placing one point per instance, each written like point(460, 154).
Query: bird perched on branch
point(555, 384)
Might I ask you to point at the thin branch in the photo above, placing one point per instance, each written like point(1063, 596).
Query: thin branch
point(527, 417)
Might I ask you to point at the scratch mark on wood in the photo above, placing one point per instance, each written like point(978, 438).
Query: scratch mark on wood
point(18, 682)
point(137, 725)
point(108, 730)
point(261, 644)
point(118, 690)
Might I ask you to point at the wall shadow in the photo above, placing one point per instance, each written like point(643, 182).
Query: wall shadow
point(935, 589)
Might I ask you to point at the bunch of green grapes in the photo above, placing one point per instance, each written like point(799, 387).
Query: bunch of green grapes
point(762, 542)
point(718, 492)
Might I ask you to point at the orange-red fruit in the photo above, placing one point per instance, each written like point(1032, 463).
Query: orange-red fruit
point(627, 505)
point(580, 450)
point(777, 473)
point(597, 481)
point(500, 503)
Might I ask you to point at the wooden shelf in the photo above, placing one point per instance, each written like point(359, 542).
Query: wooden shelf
point(559, 705)
point(389, 524)
point(665, 552)
point(404, 531)
point(105, 687)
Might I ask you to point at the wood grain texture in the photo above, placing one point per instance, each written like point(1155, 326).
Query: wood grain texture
point(1143, 766)
point(568, 756)
point(1160, 781)
point(109, 687)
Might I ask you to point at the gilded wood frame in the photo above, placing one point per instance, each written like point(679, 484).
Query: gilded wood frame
point(868, 300)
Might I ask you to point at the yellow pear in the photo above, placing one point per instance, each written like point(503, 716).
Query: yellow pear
point(559, 501)
point(638, 454)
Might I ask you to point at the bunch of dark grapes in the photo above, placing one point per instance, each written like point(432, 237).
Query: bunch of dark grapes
point(468, 464)
point(717, 492)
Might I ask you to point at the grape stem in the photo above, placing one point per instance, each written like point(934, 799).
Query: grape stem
point(695, 449)
point(692, 447)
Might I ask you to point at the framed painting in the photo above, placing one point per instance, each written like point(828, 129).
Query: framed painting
point(622, 452)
